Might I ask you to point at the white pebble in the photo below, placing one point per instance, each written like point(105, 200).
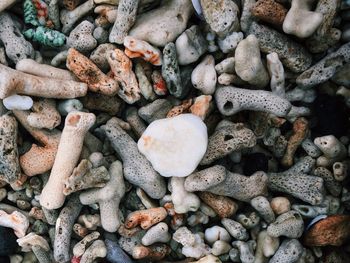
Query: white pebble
point(18, 102)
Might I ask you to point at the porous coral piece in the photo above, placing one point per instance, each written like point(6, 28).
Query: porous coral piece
point(84, 176)
point(289, 252)
point(21, 83)
point(40, 158)
point(121, 67)
point(219, 181)
point(64, 227)
point(183, 201)
point(96, 250)
point(81, 37)
point(108, 198)
point(136, 123)
point(236, 230)
point(144, 83)
point(71, 143)
point(333, 150)
point(293, 55)
point(231, 100)
point(88, 72)
point(201, 106)
point(325, 35)
point(9, 162)
point(126, 17)
point(262, 205)
point(154, 252)
point(203, 76)
point(69, 18)
point(11, 36)
point(190, 45)
point(98, 56)
point(171, 71)
point(32, 239)
point(333, 231)
point(222, 205)
point(289, 224)
point(269, 11)
point(30, 66)
point(180, 109)
point(300, 131)
point(227, 139)
point(137, 169)
point(44, 115)
point(297, 183)
point(229, 42)
point(91, 222)
point(333, 186)
point(248, 64)
point(135, 48)
point(246, 250)
point(187, 131)
point(162, 25)
point(266, 246)
point(325, 68)
point(145, 218)
point(104, 103)
point(157, 233)
point(16, 220)
point(222, 16)
point(300, 20)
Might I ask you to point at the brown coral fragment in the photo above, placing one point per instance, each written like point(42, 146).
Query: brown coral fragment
point(269, 11)
point(145, 218)
point(333, 230)
point(86, 71)
point(222, 205)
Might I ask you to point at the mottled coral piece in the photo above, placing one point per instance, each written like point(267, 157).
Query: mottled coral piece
point(16, 220)
point(333, 230)
point(177, 110)
point(159, 84)
point(145, 218)
point(222, 205)
point(9, 164)
point(201, 106)
point(71, 4)
point(300, 130)
point(135, 48)
point(269, 11)
point(154, 252)
point(44, 114)
point(89, 73)
point(121, 67)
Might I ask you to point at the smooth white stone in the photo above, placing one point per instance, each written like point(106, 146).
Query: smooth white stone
point(18, 102)
point(175, 146)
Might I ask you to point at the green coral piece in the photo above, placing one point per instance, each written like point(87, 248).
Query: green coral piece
point(30, 13)
point(46, 36)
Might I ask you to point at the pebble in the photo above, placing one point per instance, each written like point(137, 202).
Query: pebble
point(175, 146)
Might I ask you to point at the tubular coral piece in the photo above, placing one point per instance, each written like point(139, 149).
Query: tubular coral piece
point(157, 233)
point(269, 11)
point(121, 67)
point(231, 137)
point(14, 81)
point(231, 100)
point(16, 220)
point(76, 126)
point(84, 176)
point(276, 70)
point(9, 163)
point(32, 239)
point(222, 205)
point(135, 48)
point(145, 218)
point(153, 252)
point(89, 73)
point(30, 13)
point(44, 115)
point(159, 84)
point(39, 159)
point(218, 180)
point(30, 66)
point(108, 198)
point(126, 17)
point(80, 247)
point(64, 227)
point(137, 169)
point(289, 224)
point(177, 110)
point(300, 130)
